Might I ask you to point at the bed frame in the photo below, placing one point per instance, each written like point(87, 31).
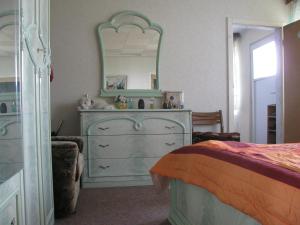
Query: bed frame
point(192, 205)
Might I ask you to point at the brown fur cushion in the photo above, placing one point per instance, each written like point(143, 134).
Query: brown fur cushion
point(205, 136)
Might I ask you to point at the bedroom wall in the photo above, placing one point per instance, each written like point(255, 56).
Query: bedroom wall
point(193, 55)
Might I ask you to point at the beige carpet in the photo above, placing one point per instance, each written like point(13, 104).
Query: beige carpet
point(120, 206)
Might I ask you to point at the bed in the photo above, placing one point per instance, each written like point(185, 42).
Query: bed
point(232, 183)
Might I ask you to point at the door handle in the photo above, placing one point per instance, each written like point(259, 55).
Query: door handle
point(13, 222)
point(170, 144)
point(41, 50)
point(103, 146)
point(103, 128)
point(170, 127)
point(104, 167)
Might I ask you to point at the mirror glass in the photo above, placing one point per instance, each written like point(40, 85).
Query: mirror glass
point(11, 153)
point(129, 45)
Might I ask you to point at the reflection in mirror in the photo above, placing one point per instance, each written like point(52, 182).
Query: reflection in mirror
point(130, 46)
point(131, 55)
point(11, 154)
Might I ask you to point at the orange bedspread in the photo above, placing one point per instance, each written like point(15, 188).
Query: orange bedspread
point(259, 180)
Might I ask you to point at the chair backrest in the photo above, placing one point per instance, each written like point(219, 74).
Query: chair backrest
point(208, 118)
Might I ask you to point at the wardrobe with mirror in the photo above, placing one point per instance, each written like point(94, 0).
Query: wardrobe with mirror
point(26, 196)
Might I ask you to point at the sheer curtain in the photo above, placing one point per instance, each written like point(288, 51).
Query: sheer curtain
point(295, 10)
point(236, 80)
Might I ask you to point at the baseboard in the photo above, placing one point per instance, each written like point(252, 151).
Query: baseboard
point(116, 184)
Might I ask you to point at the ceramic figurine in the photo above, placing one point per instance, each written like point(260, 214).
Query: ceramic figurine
point(121, 102)
point(86, 102)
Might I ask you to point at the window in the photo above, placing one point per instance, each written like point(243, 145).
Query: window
point(264, 60)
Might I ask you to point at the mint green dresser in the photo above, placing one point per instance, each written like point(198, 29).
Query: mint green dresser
point(11, 198)
point(122, 145)
point(10, 140)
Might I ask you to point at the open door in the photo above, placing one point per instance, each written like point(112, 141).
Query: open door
point(264, 73)
point(291, 45)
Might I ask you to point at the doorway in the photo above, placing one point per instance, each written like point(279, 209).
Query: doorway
point(255, 81)
point(264, 55)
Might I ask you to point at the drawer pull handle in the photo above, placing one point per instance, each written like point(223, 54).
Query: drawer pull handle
point(13, 222)
point(170, 144)
point(103, 128)
point(41, 50)
point(104, 167)
point(103, 146)
point(170, 127)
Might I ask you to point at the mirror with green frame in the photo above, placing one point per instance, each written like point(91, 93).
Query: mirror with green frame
point(130, 45)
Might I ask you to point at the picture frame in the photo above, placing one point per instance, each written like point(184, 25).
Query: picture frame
point(173, 100)
point(116, 82)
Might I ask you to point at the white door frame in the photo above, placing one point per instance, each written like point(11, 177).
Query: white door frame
point(230, 94)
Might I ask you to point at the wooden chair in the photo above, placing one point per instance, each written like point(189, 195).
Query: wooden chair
point(211, 118)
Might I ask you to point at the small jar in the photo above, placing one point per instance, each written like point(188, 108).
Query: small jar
point(151, 103)
point(130, 103)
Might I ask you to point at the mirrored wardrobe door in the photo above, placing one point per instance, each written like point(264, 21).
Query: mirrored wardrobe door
point(35, 96)
point(44, 106)
point(11, 154)
point(29, 71)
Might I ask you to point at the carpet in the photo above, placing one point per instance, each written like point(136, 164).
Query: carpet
point(120, 206)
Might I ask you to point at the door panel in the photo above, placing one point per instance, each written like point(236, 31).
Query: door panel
point(266, 84)
point(45, 146)
point(44, 22)
point(38, 164)
point(30, 141)
point(264, 95)
point(291, 47)
point(29, 15)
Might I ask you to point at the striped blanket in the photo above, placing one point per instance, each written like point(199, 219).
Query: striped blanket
point(262, 181)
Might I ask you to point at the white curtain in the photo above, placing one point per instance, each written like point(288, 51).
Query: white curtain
point(236, 81)
point(295, 10)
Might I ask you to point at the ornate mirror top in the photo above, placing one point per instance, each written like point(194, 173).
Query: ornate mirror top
point(129, 45)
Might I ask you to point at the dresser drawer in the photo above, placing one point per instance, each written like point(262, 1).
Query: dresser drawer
point(123, 126)
point(164, 126)
point(129, 146)
point(9, 128)
point(8, 214)
point(116, 123)
point(11, 151)
point(115, 126)
point(120, 167)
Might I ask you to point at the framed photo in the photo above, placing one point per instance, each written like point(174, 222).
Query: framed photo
point(173, 100)
point(116, 82)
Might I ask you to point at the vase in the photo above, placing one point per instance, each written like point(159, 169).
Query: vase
point(121, 105)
